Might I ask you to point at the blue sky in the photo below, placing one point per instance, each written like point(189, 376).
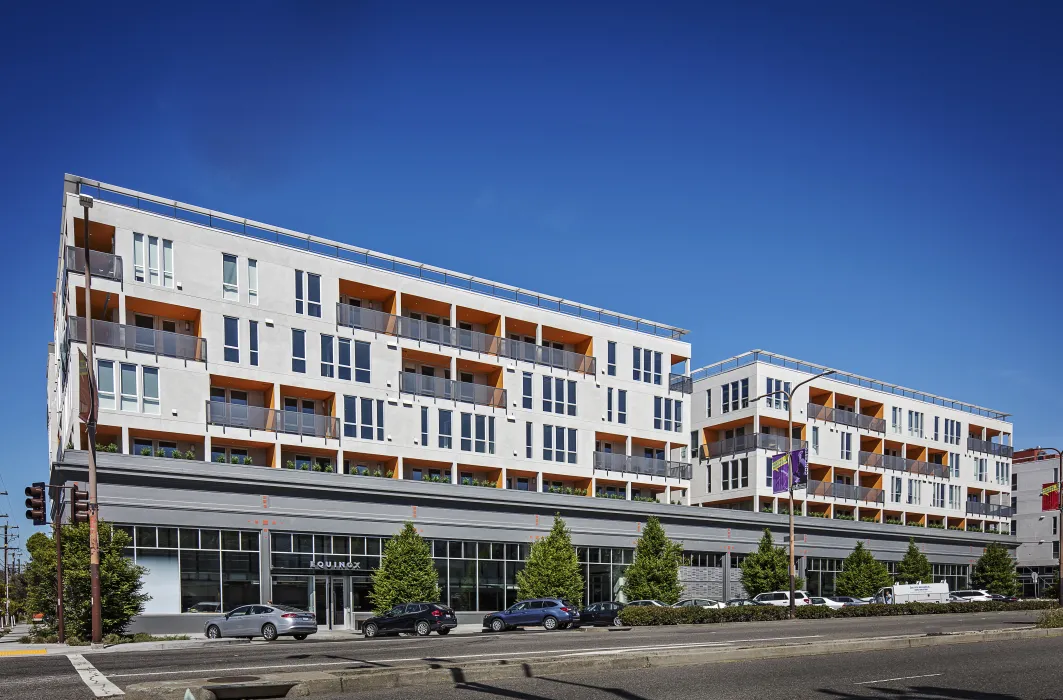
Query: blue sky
point(872, 186)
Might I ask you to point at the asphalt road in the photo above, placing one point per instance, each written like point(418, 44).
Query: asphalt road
point(1017, 670)
point(55, 678)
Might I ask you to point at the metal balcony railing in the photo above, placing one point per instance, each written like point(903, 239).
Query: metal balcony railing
point(232, 415)
point(993, 510)
point(747, 443)
point(614, 462)
point(480, 394)
point(847, 492)
point(366, 319)
point(102, 264)
point(989, 448)
point(680, 383)
point(900, 464)
point(132, 338)
point(850, 418)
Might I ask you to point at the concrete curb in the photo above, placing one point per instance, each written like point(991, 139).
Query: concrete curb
point(303, 684)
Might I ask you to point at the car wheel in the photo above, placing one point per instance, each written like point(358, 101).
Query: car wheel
point(269, 631)
point(497, 625)
point(423, 628)
point(617, 622)
point(370, 630)
point(213, 632)
point(299, 637)
point(444, 631)
point(550, 622)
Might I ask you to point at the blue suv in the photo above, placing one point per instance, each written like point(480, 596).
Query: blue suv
point(551, 613)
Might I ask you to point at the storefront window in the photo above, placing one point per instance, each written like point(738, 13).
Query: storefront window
point(463, 584)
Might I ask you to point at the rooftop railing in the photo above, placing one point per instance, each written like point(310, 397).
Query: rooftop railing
point(231, 415)
point(362, 256)
point(901, 464)
point(850, 418)
point(450, 390)
point(849, 492)
point(680, 383)
point(754, 356)
point(649, 466)
point(102, 264)
point(748, 443)
point(134, 339)
point(989, 448)
point(993, 510)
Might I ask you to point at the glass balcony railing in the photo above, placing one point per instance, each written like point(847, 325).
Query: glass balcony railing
point(849, 492)
point(748, 443)
point(102, 264)
point(680, 383)
point(990, 448)
point(850, 418)
point(993, 510)
point(901, 464)
point(134, 339)
point(450, 390)
point(234, 415)
point(649, 466)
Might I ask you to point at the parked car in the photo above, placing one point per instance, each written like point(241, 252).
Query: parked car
point(607, 613)
point(832, 604)
point(699, 603)
point(419, 618)
point(973, 595)
point(848, 600)
point(782, 598)
point(644, 603)
point(267, 621)
point(551, 613)
point(953, 598)
point(1003, 598)
point(739, 602)
point(205, 607)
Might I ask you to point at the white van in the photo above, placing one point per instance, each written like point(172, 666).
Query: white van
point(913, 593)
point(782, 598)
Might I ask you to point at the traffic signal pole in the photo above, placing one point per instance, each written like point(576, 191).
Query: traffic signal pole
point(90, 429)
point(58, 525)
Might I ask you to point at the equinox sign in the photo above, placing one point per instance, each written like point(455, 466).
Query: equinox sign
point(335, 565)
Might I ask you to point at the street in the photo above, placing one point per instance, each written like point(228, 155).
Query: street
point(54, 677)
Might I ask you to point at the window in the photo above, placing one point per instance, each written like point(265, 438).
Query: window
point(847, 445)
point(1003, 475)
point(153, 260)
point(571, 397)
point(559, 444)
point(657, 412)
point(1055, 524)
point(611, 360)
point(952, 431)
point(768, 481)
point(559, 395)
point(981, 469)
point(815, 439)
point(896, 484)
point(105, 383)
point(678, 416)
point(954, 497)
point(298, 350)
point(896, 420)
point(138, 257)
point(693, 443)
point(350, 414)
point(915, 489)
point(663, 412)
point(735, 474)
point(252, 334)
point(424, 426)
point(745, 393)
point(708, 479)
point(939, 495)
point(252, 281)
point(571, 445)
point(636, 359)
point(361, 361)
point(915, 424)
point(313, 304)
point(167, 263)
point(129, 387)
point(609, 404)
point(230, 288)
point(777, 394)
point(445, 418)
point(151, 390)
point(526, 384)
point(725, 390)
point(328, 367)
point(380, 419)
point(954, 464)
point(344, 371)
point(232, 339)
point(621, 406)
point(299, 291)
point(708, 403)
point(528, 440)
point(481, 434)
point(366, 431)
point(936, 421)
point(466, 432)
point(647, 359)
point(548, 385)
point(657, 368)
point(548, 443)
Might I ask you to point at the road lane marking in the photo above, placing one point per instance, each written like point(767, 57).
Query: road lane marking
point(902, 678)
point(96, 681)
point(23, 652)
point(370, 662)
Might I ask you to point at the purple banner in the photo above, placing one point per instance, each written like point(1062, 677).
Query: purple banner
point(780, 473)
point(799, 460)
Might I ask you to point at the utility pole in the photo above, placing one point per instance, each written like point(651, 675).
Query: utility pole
point(94, 508)
point(7, 584)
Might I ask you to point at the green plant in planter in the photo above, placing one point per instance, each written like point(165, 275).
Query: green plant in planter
point(328, 469)
point(145, 451)
point(191, 454)
point(766, 509)
point(867, 518)
point(290, 464)
point(160, 453)
point(247, 460)
point(817, 513)
point(376, 472)
point(389, 473)
point(844, 516)
point(219, 458)
point(644, 499)
point(177, 454)
point(936, 526)
point(234, 459)
point(915, 524)
point(893, 521)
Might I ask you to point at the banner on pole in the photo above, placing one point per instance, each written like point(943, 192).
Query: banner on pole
point(87, 401)
point(799, 460)
point(780, 473)
point(1050, 496)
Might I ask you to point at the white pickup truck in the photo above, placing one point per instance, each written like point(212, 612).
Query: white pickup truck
point(913, 593)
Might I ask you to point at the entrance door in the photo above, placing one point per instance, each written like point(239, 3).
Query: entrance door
point(331, 596)
point(338, 611)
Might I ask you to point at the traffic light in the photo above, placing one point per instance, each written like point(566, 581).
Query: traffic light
point(36, 503)
point(79, 506)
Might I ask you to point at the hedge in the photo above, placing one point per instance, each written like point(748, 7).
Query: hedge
point(646, 615)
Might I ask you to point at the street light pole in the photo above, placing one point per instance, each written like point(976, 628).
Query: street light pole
point(90, 430)
point(790, 442)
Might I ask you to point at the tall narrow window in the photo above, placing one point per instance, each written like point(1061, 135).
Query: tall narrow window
point(151, 390)
point(232, 339)
point(571, 397)
point(424, 426)
point(490, 435)
point(609, 404)
point(548, 392)
point(380, 419)
point(105, 383)
point(528, 440)
point(657, 368)
point(313, 289)
point(466, 432)
point(647, 361)
point(526, 389)
point(252, 281)
point(138, 257)
point(559, 395)
point(350, 414)
point(636, 364)
point(548, 443)
point(621, 406)
point(445, 430)
point(167, 263)
point(129, 387)
point(367, 419)
point(725, 391)
point(361, 361)
point(299, 296)
point(252, 341)
point(328, 366)
point(815, 440)
point(571, 445)
point(668, 415)
point(611, 359)
point(708, 403)
point(847, 445)
point(298, 350)
point(657, 412)
point(230, 285)
point(153, 260)
point(559, 444)
point(678, 416)
point(344, 370)
point(481, 434)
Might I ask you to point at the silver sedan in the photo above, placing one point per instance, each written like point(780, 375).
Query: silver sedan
point(267, 621)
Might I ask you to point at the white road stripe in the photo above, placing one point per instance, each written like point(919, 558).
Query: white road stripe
point(96, 681)
point(902, 678)
point(559, 652)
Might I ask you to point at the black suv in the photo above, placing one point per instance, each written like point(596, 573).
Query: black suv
point(420, 618)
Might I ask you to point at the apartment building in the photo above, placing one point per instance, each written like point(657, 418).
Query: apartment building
point(1037, 531)
point(877, 452)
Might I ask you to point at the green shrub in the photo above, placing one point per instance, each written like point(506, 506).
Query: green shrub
point(817, 513)
point(844, 516)
point(1051, 618)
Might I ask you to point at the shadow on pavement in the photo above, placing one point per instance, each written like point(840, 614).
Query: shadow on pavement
point(918, 693)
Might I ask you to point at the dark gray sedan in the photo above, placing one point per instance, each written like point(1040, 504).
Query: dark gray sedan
point(266, 621)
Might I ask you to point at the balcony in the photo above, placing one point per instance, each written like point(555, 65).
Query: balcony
point(900, 464)
point(232, 415)
point(830, 489)
point(366, 319)
point(131, 338)
point(680, 383)
point(993, 510)
point(480, 394)
point(550, 357)
point(989, 448)
point(610, 461)
point(102, 264)
point(855, 420)
point(748, 443)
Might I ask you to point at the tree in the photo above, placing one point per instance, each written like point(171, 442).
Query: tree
point(552, 570)
point(767, 569)
point(862, 575)
point(655, 573)
point(915, 567)
point(995, 571)
point(122, 593)
point(406, 573)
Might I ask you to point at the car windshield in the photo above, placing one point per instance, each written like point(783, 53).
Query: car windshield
point(288, 608)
